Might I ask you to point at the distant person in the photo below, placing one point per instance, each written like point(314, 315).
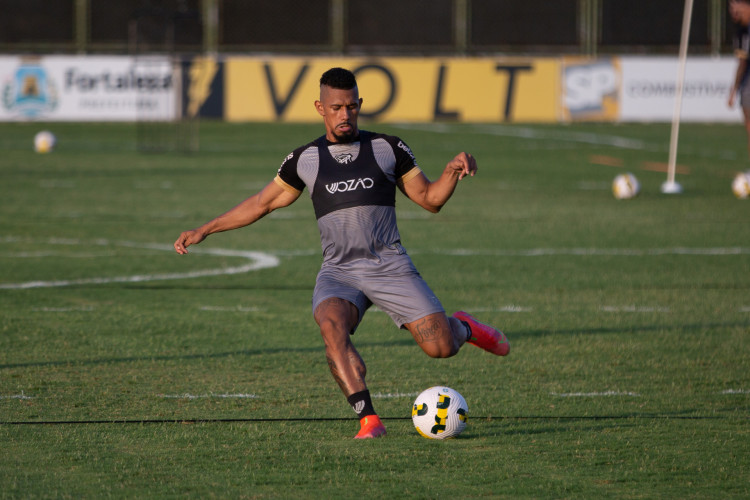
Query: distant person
point(352, 176)
point(739, 11)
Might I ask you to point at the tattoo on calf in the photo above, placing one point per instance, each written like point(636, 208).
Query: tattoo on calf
point(427, 330)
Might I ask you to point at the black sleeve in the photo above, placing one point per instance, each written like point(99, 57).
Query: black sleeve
point(405, 159)
point(288, 169)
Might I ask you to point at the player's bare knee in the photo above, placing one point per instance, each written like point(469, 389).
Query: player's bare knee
point(329, 326)
point(442, 349)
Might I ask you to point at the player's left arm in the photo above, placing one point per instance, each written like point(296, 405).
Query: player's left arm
point(432, 195)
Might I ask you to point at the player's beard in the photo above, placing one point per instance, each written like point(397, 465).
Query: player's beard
point(346, 137)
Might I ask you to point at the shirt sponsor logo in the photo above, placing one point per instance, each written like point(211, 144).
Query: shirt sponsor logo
point(291, 155)
point(350, 185)
point(408, 150)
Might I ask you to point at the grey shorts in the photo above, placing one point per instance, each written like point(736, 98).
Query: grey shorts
point(398, 290)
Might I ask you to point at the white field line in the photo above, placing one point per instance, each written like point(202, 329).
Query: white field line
point(594, 394)
point(539, 135)
point(587, 252)
point(735, 391)
point(209, 395)
point(509, 308)
point(633, 309)
point(231, 309)
point(43, 254)
point(63, 309)
point(258, 260)
point(17, 396)
point(394, 395)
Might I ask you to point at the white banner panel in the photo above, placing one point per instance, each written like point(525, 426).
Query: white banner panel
point(649, 84)
point(87, 88)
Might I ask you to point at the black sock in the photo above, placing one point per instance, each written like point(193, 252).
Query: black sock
point(468, 329)
point(361, 404)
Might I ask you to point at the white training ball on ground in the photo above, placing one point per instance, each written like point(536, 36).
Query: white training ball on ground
point(440, 413)
point(625, 186)
point(741, 185)
point(44, 142)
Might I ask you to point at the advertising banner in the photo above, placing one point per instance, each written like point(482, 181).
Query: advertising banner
point(87, 88)
point(649, 85)
point(644, 89)
point(398, 89)
point(591, 89)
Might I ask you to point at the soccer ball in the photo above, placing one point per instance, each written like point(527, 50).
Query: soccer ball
point(44, 142)
point(625, 187)
point(440, 413)
point(741, 185)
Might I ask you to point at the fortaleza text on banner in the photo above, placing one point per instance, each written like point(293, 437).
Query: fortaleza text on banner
point(86, 88)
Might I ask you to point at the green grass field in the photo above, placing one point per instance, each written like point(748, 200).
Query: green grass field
point(121, 376)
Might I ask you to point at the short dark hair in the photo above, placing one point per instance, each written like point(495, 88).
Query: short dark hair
point(339, 78)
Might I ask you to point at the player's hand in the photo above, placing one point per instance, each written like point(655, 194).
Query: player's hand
point(464, 164)
point(186, 239)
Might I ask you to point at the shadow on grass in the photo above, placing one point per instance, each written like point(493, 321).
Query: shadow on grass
point(496, 430)
point(184, 357)
point(695, 327)
point(628, 420)
point(403, 342)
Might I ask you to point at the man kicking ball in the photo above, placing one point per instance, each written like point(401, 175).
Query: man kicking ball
point(352, 175)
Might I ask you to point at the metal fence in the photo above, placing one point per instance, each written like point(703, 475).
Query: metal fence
point(348, 27)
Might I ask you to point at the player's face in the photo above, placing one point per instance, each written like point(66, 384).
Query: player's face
point(340, 110)
point(739, 12)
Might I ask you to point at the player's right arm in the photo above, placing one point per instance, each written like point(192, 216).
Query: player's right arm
point(270, 198)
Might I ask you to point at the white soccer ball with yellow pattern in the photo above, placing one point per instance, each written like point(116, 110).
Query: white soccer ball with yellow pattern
point(44, 142)
point(741, 185)
point(440, 413)
point(625, 186)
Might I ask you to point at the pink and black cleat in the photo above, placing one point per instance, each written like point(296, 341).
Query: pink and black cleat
point(485, 336)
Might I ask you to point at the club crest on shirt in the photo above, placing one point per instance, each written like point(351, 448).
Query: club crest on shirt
point(344, 158)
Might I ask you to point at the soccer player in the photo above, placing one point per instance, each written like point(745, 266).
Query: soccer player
point(739, 11)
point(352, 175)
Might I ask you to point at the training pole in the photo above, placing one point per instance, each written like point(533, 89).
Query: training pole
point(671, 187)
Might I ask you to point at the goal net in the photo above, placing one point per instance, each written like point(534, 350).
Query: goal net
point(162, 124)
